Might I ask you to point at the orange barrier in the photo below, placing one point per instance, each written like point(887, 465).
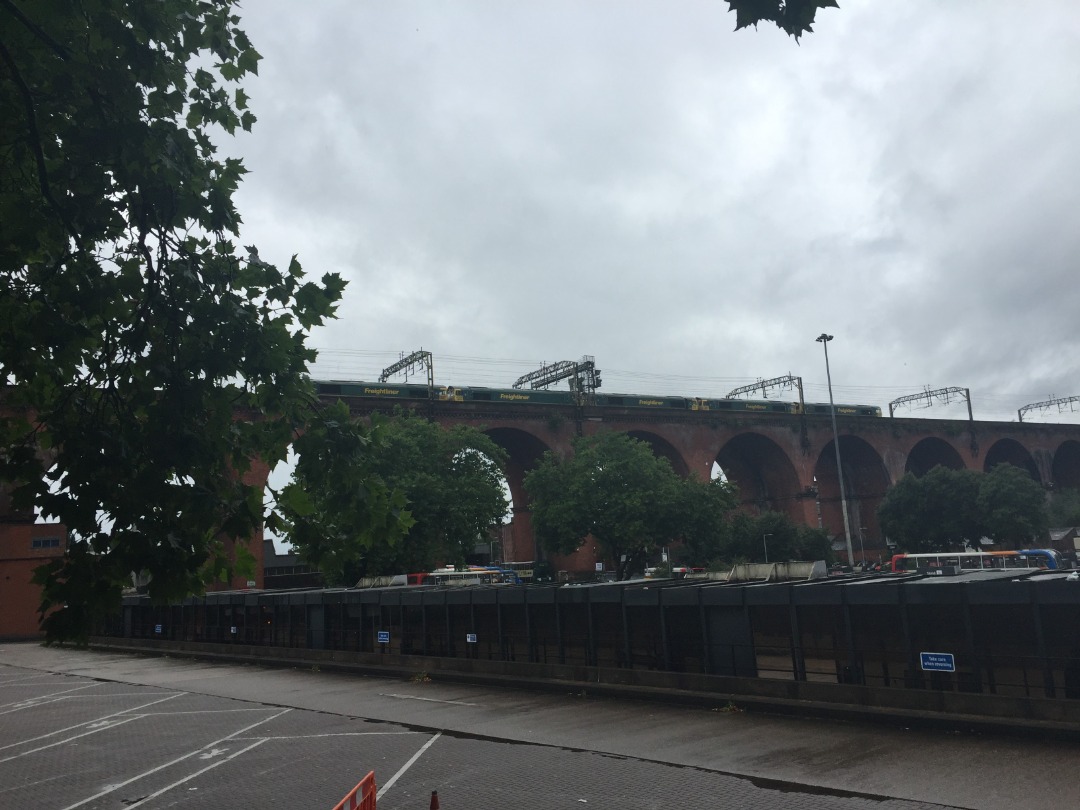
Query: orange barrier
point(434, 800)
point(361, 797)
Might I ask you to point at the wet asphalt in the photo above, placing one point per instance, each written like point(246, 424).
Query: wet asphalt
point(92, 729)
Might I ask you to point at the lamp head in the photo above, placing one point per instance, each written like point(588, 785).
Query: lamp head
point(823, 338)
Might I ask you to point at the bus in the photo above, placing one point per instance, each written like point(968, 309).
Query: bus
point(979, 560)
point(470, 575)
point(522, 570)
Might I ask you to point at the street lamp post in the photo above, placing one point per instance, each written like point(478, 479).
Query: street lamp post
point(764, 542)
point(862, 549)
point(824, 339)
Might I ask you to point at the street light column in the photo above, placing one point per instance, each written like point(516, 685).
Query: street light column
point(824, 339)
point(764, 542)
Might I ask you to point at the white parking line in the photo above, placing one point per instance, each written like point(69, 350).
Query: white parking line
point(429, 700)
point(167, 788)
point(331, 734)
point(91, 722)
point(206, 711)
point(29, 678)
point(406, 766)
point(106, 725)
point(172, 762)
point(29, 703)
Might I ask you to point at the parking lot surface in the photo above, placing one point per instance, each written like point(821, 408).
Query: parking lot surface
point(82, 729)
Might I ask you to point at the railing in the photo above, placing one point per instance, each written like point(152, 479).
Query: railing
point(998, 672)
point(361, 797)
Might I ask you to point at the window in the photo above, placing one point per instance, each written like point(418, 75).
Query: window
point(45, 542)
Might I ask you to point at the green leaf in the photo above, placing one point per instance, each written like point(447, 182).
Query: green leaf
point(139, 361)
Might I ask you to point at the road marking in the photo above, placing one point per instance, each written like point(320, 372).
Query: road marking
point(32, 677)
point(81, 725)
point(31, 702)
point(35, 783)
point(176, 784)
point(429, 700)
point(332, 734)
point(206, 711)
point(66, 740)
point(172, 762)
point(406, 766)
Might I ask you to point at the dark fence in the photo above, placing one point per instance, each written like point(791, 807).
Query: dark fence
point(1016, 647)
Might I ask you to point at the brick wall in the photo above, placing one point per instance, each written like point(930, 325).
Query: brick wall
point(23, 547)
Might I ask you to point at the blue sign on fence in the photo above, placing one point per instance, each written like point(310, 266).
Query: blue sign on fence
point(157, 628)
point(470, 638)
point(937, 662)
point(384, 636)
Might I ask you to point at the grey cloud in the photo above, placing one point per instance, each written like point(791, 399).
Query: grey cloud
point(542, 180)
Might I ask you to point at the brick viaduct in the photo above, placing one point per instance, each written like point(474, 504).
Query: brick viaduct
point(781, 462)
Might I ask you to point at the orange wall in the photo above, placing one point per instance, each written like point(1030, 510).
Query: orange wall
point(19, 597)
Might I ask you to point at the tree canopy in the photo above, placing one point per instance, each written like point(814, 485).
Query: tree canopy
point(450, 478)
point(1013, 506)
point(134, 328)
point(946, 509)
point(935, 512)
point(616, 492)
point(795, 17)
point(1065, 507)
point(773, 537)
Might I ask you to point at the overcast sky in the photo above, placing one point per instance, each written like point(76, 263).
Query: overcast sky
point(504, 184)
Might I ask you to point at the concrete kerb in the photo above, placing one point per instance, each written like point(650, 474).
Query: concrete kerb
point(828, 701)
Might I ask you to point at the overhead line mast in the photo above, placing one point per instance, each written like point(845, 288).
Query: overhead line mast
point(784, 383)
point(944, 394)
point(1059, 401)
point(583, 376)
point(418, 359)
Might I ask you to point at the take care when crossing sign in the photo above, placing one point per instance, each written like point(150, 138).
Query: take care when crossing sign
point(937, 662)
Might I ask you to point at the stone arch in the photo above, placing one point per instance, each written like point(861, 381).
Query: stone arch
point(1065, 468)
point(764, 474)
point(865, 481)
point(1010, 451)
point(664, 449)
point(524, 450)
point(932, 452)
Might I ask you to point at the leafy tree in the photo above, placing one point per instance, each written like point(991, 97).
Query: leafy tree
point(944, 509)
point(1064, 509)
point(704, 529)
point(629, 501)
point(450, 477)
point(1013, 506)
point(775, 536)
point(336, 504)
point(796, 17)
point(133, 329)
point(936, 512)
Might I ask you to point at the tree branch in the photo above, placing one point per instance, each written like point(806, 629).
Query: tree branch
point(35, 145)
point(35, 29)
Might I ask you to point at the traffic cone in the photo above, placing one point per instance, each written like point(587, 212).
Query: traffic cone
point(434, 800)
